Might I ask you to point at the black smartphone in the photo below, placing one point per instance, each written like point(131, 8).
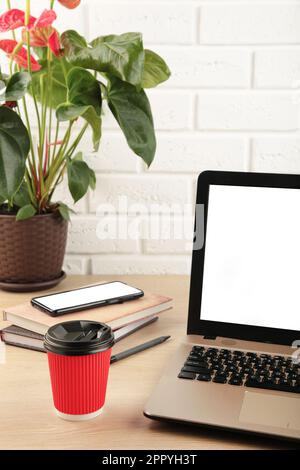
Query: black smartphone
point(86, 298)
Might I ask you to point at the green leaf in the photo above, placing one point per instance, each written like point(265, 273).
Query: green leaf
point(93, 179)
point(14, 149)
point(21, 197)
point(65, 211)
point(26, 212)
point(96, 124)
point(83, 100)
point(73, 43)
point(156, 70)
point(132, 110)
point(75, 49)
point(119, 55)
point(84, 89)
point(78, 157)
point(58, 83)
point(79, 179)
point(17, 87)
point(70, 112)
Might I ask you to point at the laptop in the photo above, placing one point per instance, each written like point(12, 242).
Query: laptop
point(238, 367)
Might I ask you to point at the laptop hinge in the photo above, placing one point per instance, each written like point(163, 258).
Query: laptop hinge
point(210, 338)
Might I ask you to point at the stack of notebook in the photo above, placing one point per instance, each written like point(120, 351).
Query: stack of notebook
point(30, 325)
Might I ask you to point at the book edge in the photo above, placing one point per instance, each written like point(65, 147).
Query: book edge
point(114, 324)
point(25, 333)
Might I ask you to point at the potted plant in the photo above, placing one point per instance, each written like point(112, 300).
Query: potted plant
point(67, 80)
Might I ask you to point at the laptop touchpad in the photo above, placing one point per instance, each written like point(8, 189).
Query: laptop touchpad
point(271, 410)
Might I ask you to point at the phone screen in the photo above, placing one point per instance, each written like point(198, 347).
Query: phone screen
point(88, 295)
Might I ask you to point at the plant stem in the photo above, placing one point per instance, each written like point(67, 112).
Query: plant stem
point(50, 126)
point(51, 4)
point(28, 128)
point(41, 129)
point(29, 187)
point(40, 171)
point(44, 117)
point(56, 139)
point(27, 174)
point(62, 152)
point(14, 53)
point(36, 109)
point(57, 181)
point(57, 162)
point(27, 12)
point(48, 143)
point(77, 141)
point(64, 70)
point(49, 68)
point(67, 155)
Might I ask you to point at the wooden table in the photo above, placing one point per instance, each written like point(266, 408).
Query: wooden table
point(27, 420)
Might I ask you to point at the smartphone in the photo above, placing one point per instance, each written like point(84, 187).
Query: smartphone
point(86, 298)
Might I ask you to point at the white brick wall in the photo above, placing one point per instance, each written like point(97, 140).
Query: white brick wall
point(248, 23)
point(142, 190)
point(232, 103)
point(159, 23)
point(277, 68)
point(239, 111)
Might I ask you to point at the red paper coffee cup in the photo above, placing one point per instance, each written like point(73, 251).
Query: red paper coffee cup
point(79, 355)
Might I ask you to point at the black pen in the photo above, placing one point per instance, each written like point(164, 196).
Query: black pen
point(137, 349)
point(133, 328)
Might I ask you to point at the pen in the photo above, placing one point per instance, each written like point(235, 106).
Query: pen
point(133, 328)
point(137, 349)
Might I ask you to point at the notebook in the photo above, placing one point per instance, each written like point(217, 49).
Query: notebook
point(116, 316)
point(16, 336)
point(19, 337)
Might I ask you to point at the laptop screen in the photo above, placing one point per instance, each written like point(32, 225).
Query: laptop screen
point(252, 257)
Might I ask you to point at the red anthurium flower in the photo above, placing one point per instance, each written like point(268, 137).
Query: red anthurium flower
point(38, 36)
point(70, 3)
point(21, 57)
point(54, 44)
point(14, 19)
point(8, 45)
point(42, 34)
point(46, 19)
point(44, 37)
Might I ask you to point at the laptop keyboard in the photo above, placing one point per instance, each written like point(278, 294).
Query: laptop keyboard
point(240, 368)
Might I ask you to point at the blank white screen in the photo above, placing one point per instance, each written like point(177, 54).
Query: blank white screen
point(252, 257)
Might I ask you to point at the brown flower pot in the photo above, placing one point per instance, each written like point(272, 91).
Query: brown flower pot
point(32, 251)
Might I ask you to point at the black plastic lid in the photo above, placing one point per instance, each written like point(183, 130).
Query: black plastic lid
point(79, 338)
